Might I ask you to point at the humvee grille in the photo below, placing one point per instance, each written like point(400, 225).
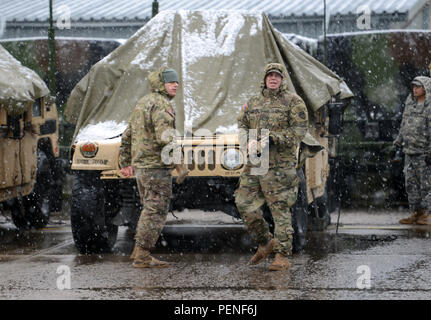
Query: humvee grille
point(200, 159)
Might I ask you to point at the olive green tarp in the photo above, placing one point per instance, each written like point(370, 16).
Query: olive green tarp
point(18, 84)
point(219, 56)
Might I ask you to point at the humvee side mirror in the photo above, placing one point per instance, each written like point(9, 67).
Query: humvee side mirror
point(336, 118)
point(49, 101)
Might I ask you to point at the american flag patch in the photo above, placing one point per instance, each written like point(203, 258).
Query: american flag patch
point(171, 112)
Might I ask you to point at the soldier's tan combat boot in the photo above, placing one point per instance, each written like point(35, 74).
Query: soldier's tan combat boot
point(280, 263)
point(262, 252)
point(424, 219)
point(412, 218)
point(143, 259)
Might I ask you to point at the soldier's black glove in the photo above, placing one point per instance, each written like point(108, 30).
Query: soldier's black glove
point(271, 141)
point(428, 159)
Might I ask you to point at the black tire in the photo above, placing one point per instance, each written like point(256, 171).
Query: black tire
point(91, 214)
point(34, 210)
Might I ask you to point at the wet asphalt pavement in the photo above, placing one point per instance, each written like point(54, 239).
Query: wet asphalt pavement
point(371, 257)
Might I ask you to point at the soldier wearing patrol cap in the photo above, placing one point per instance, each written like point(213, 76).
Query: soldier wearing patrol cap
point(141, 154)
point(285, 115)
point(415, 140)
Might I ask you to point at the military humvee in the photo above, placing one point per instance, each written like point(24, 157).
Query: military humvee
point(30, 171)
point(218, 72)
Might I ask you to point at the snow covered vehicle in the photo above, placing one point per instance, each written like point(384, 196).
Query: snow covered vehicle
point(74, 58)
point(220, 57)
point(30, 170)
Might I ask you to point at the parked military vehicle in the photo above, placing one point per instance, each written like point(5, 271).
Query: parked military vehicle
point(378, 66)
point(74, 58)
point(30, 173)
point(220, 58)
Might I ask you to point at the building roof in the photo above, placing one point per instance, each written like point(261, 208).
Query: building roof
point(105, 10)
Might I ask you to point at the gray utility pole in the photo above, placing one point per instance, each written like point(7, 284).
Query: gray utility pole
point(324, 32)
point(155, 8)
point(51, 54)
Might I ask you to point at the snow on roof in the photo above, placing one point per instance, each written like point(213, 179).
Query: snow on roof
point(59, 38)
point(111, 10)
point(359, 33)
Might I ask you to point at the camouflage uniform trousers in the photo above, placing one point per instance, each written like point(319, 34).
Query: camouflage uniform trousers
point(155, 190)
point(418, 182)
point(278, 188)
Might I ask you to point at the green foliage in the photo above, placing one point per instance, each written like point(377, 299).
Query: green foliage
point(378, 68)
point(26, 53)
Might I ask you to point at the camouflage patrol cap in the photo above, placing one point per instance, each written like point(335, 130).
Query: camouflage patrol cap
point(279, 69)
point(417, 83)
point(169, 75)
point(274, 67)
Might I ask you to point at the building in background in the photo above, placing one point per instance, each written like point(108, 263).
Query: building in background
point(121, 18)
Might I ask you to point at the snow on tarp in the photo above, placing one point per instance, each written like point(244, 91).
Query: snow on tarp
point(18, 84)
point(220, 57)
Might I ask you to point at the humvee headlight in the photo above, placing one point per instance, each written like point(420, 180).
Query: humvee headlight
point(232, 159)
point(89, 149)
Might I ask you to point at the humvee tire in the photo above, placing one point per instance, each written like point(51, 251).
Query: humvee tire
point(34, 209)
point(91, 214)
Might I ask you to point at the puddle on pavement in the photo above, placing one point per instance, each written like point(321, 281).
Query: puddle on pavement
point(211, 240)
point(24, 242)
point(319, 243)
point(322, 243)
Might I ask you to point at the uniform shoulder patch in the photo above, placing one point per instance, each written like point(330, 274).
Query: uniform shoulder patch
point(245, 107)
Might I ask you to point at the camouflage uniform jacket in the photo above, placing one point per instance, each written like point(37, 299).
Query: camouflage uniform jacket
point(283, 113)
point(147, 132)
point(415, 130)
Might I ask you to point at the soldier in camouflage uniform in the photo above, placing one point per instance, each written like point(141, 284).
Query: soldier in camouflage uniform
point(415, 140)
point(141, 153)
point(285, 115)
